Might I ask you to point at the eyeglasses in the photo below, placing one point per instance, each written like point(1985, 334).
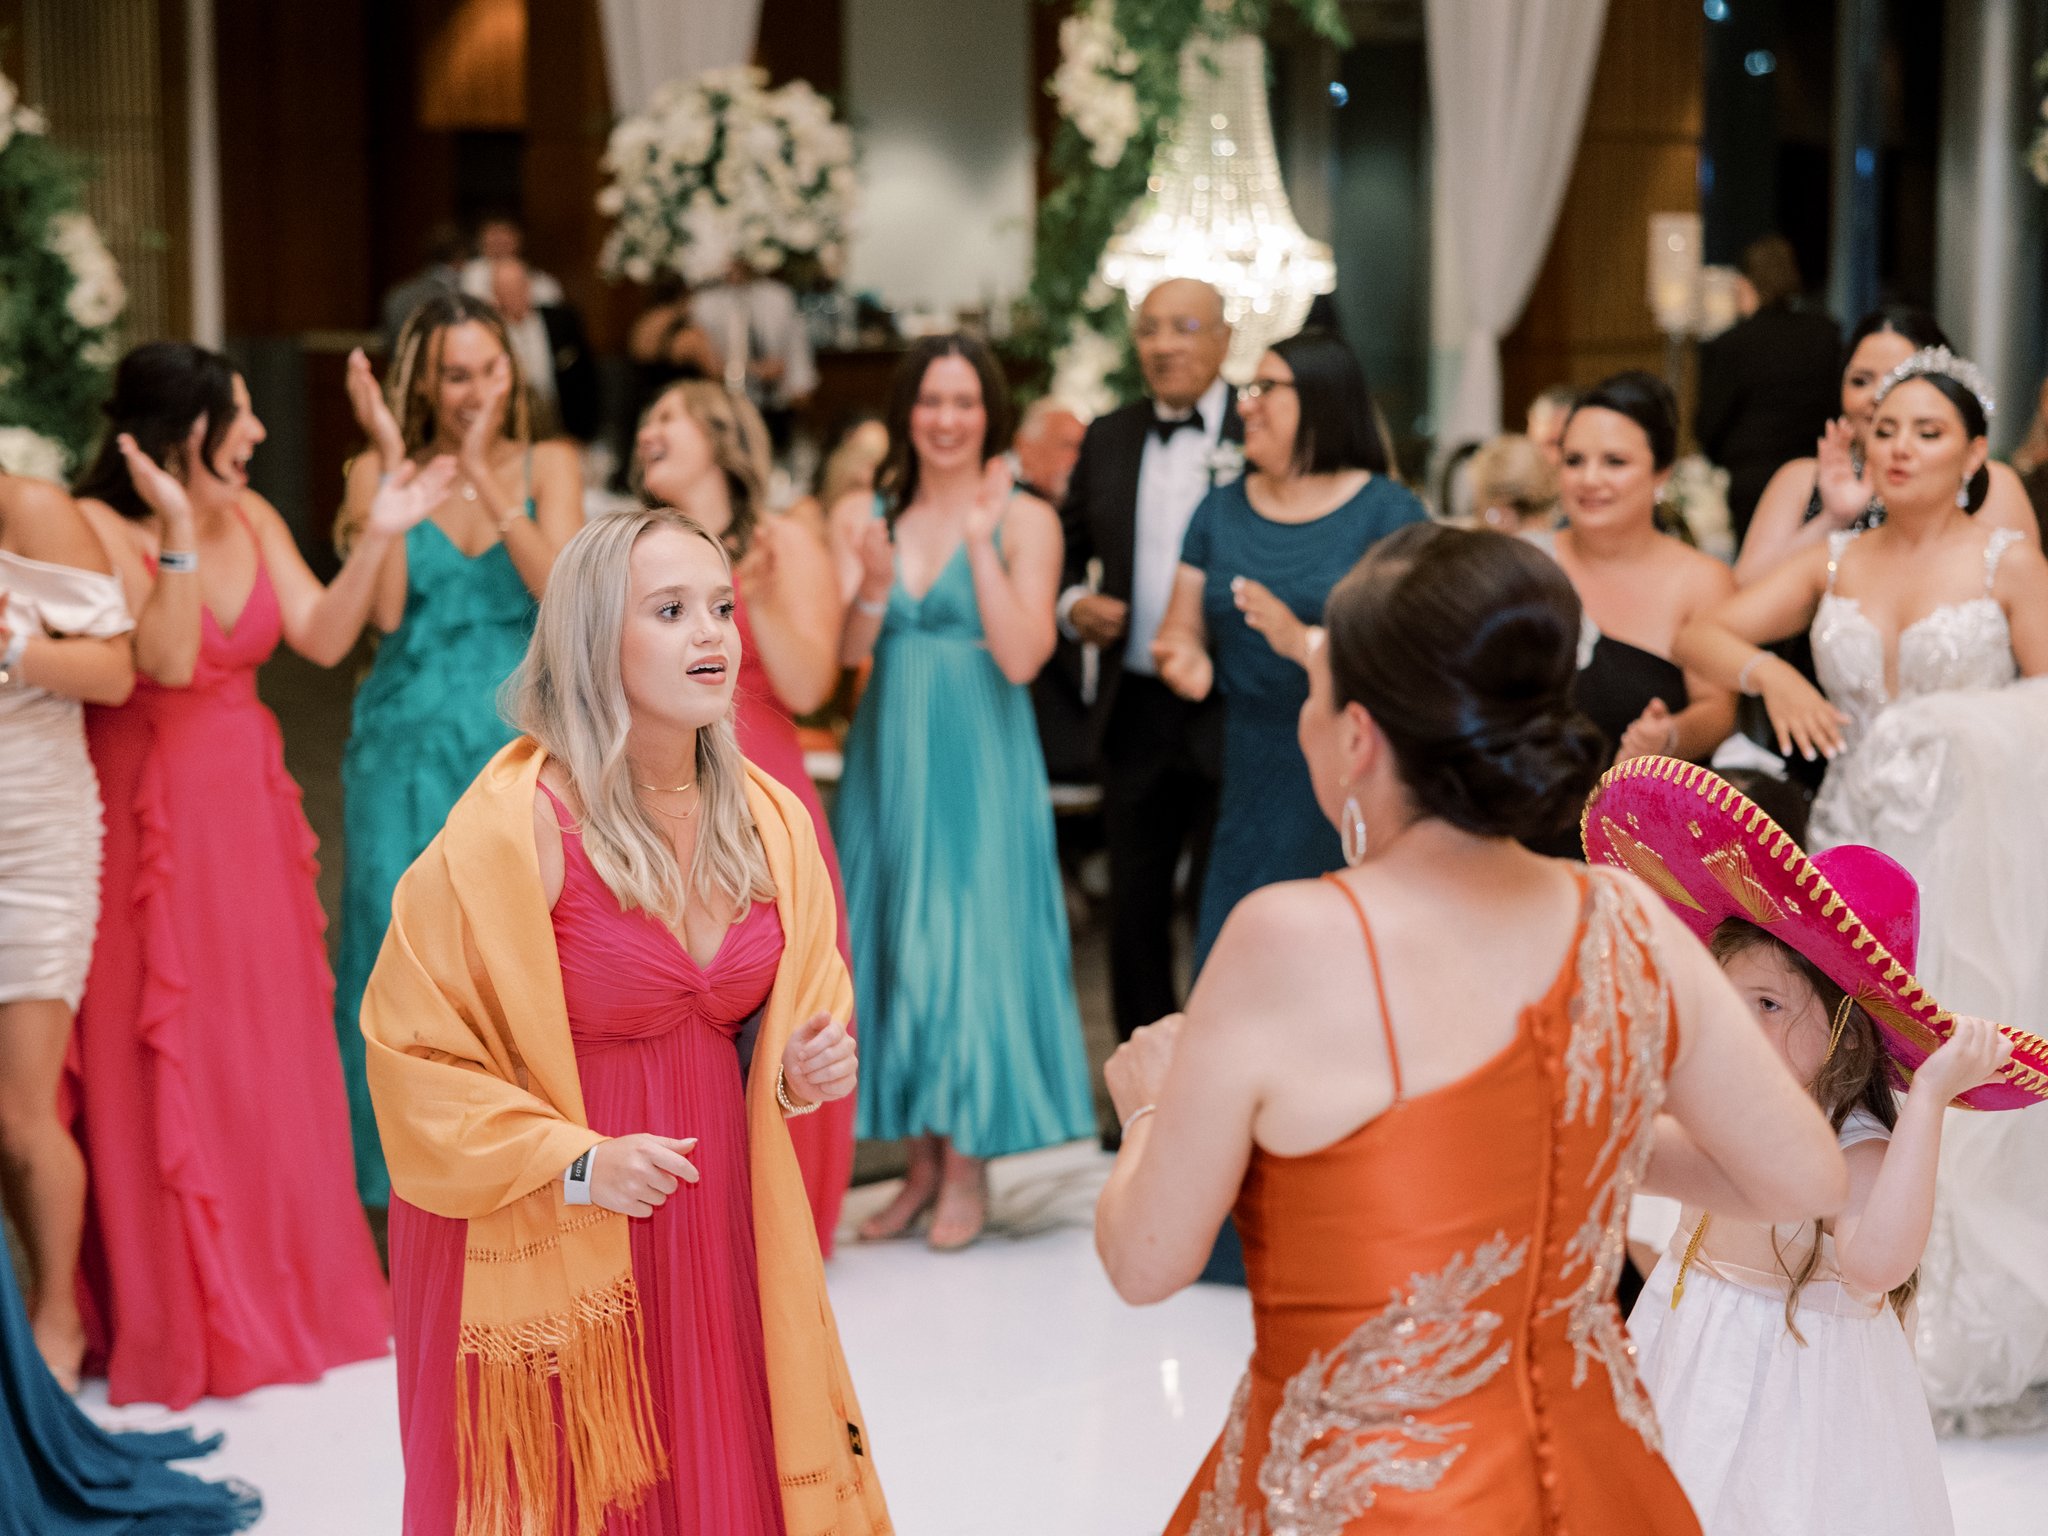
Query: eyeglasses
point(1188, 326)
point(1258, 389)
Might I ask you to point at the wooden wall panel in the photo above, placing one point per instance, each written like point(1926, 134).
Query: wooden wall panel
point(803, 40)
point(295, 167)
point(568, 119)
point(1589, 313)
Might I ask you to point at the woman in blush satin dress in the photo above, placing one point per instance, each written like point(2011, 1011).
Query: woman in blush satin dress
point(611, 1304)
point(225, 1249)
point(1429, 1085)
point(63, 638)
point(704, 451)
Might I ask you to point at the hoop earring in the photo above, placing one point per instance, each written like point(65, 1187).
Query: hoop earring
point(1353, 832)
point(1841, 1022)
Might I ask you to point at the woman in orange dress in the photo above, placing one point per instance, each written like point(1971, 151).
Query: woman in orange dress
point(1430, 1159)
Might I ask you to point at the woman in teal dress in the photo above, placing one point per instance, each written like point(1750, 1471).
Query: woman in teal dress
point(970, 1036)
point(1258, 562)
point(455, 604)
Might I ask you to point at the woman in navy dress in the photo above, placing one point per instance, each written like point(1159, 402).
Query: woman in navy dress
point(1260, 558)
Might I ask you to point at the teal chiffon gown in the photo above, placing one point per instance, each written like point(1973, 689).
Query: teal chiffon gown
point(62, 1475)
point(962, 967)
point(426, 721)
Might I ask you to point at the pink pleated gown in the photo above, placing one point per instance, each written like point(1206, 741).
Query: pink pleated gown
point(225, 1249)
point(768, 739)
point(656, 1039)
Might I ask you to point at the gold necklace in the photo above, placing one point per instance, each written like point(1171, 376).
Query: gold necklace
point(1692, 1250)
point(656, 789)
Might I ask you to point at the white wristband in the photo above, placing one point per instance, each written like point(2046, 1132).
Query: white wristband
point(576, 1181)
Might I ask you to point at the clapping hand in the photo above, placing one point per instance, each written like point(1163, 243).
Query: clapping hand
point(756, 573)
point(985, 515)
point(1652, 733)
point(821, 1062)
point(163, 491)
point(488, 425)
point(373, 412)
point(877, 562)
point(1975, 1052)
point(409, 493)
point(634, 1175)
point(1272, 618)
point(1844, 492)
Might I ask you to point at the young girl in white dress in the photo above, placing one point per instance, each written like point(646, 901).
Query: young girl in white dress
point(1779, 1358)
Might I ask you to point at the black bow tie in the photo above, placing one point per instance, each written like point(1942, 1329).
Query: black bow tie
point(1166, 426)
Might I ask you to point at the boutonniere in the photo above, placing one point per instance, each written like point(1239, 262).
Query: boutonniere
point(1226, 463)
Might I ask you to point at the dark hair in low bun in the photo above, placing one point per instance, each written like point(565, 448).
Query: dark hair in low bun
point(1975, 424)
point(1462, 646)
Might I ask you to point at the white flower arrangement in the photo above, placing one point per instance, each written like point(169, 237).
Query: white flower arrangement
point(26, 452)
point(97, 294)
point(1225, 462)
point(1093, 83)
point(1080, 374)
point(1698, 493)
point(721, 169)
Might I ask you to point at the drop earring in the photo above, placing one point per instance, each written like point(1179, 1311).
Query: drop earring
point(1963, 495)
point(1353, 832)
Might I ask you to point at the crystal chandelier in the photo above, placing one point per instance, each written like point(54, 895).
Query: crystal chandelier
point(1216, 208)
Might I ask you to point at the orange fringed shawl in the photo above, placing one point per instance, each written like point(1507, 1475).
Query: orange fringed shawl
point(480, 1108)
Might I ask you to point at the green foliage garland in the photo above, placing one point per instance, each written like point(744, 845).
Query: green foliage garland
point(60, 296)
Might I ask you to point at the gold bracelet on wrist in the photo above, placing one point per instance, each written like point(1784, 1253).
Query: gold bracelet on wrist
point(790, 1108)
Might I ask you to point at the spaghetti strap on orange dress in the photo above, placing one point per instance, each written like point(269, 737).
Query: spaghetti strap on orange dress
point(1437, 1346)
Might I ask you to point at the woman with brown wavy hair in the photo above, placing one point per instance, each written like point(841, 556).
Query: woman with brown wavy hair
point(455, 602)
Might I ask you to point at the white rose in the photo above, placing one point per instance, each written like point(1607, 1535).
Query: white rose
point(23, 452)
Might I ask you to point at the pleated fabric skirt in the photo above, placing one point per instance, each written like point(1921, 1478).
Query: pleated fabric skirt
point(961, 961)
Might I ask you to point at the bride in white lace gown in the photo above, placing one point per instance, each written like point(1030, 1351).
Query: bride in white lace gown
point(1930, 637)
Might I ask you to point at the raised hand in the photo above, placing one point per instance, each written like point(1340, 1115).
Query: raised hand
point(990, 498)
point(373, 411)
point(162, 491)
point(1272, 618)
point(1844, 493)
point(877, 562)
point(409, 494)
point(489, 423)
point(634, 1175)
point(756, 573)
point(1652, 733)
point(1975, 1052)
point(821, 1062)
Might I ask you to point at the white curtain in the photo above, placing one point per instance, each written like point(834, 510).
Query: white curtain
point(648, 43)
point(1508, 85)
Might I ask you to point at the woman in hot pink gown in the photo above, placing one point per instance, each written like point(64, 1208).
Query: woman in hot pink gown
point(704, 451)
point(225, 1249)
point(656, 1039)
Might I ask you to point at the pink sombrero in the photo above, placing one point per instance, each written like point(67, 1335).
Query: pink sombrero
point(1712, 854)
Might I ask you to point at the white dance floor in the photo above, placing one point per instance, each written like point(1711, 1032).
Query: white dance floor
point(1007, 1392)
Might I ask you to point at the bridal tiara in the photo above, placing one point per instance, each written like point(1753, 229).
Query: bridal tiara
point(1929, 360)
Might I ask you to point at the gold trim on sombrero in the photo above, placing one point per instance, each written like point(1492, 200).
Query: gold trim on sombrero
point(1647, 866)
point(1910, 1012)
point(1733, 872)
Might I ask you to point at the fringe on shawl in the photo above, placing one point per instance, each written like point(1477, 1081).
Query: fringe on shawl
point(510, 1455)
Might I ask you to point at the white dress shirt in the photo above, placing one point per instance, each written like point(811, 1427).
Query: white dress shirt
point(1173, 477)
point(758, 319)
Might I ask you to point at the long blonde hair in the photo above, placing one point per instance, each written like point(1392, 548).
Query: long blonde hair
point(416, 368)
point(569, 695)
point(739, 447)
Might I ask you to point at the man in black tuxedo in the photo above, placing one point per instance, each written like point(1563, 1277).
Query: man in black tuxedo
point(1142, 472)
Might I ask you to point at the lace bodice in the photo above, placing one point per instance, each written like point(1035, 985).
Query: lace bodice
point(1957, 646)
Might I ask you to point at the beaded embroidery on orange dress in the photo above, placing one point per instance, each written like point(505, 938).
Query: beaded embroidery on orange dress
point(1438, 1345)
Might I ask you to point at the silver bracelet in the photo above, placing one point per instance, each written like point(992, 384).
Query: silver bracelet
point(1742, 677)
point(873, 610)
point(1138, 1114)
point(177, 562)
